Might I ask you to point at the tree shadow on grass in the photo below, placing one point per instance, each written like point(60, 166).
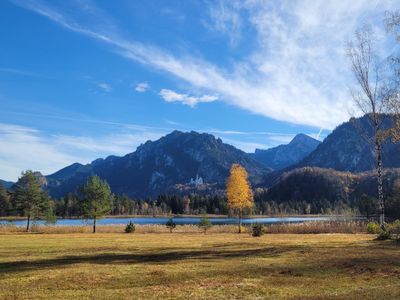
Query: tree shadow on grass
point(138, 258)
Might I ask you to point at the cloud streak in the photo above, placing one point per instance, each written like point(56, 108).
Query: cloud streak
point(21, 72)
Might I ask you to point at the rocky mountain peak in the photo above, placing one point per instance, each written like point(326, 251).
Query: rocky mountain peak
point(283, 156)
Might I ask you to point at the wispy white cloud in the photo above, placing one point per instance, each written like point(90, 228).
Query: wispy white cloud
point(192, 101)
point(142, 87)
point(319, 134)
point(25, 148)
point(86, 119)
point(21, 72)
point(105, 87)
point(225, 18)
point(173, 14)
point(174, 123)
point(297, 72)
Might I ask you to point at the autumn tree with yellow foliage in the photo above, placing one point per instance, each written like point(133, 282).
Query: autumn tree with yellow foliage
point(238, 191)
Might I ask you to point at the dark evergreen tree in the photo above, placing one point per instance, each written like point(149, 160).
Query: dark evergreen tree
point(97, 199)
point(29, 198)
point(5, 203)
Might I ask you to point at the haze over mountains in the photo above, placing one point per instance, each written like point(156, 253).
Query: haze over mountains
point(160, 166)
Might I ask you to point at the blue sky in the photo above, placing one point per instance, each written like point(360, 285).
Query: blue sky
point(86, 79)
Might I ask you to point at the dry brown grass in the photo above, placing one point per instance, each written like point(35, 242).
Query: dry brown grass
point(319, 227)
point(197, 266)
point(297, 228)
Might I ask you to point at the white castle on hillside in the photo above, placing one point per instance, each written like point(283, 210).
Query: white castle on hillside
point(197, 181)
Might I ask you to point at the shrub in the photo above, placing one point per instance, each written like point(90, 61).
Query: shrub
point(373, 228)
point(383, 234)
point(394, 229)
point(257, 229)
point(205, 224)
point(130, 227)
point(170, 225)
point(50, 218)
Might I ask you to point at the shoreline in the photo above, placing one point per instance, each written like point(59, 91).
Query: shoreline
point(249, 217)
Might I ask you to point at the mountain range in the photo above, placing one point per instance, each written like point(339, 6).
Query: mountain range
point(167, 165)
point(156, 167)
point(349, 148)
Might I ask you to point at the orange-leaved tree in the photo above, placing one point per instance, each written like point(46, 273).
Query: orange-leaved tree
point(238, 191)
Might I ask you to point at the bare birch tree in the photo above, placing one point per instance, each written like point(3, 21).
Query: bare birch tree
point(372, 96)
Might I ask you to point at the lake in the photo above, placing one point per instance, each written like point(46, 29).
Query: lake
point(177, 220)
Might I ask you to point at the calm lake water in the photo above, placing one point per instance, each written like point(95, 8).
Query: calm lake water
point(177, 220)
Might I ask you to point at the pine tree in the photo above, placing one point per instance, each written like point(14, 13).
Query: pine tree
point(29, 198)
point(97, 199)
point(239, 193)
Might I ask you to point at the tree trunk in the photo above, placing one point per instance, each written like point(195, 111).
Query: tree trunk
point(379, 167)
point(240, 222)
point(27, 223)
point(94, 224)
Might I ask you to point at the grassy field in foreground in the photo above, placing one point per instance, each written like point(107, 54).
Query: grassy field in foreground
point(184, 265)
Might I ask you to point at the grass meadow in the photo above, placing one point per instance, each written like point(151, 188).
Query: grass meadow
point(184, 265)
